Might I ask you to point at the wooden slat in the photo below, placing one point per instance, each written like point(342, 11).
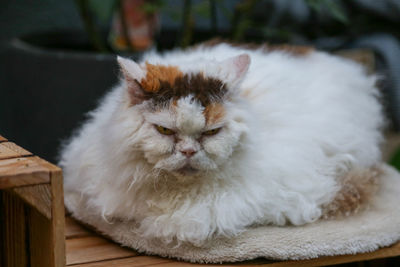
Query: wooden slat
point(13, 232)
point(40, 243)
point(10, 150)
point(2, 139)
point(58, 216)
point(187, 264)
point(37, 196)
point(23, 171)
point(323, 261)
point(74, 229)
point(47, 242)
point(129, 262)
point(92, 249)
point(51, 167)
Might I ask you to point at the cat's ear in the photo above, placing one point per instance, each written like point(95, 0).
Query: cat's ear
point(236, 68)
point(132, 73)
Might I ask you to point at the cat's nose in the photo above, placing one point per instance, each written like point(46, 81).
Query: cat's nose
point(188, 152)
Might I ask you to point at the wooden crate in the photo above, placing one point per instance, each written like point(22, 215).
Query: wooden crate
point(31, 209)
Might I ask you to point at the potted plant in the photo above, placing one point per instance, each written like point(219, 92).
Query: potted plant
point(52, 79)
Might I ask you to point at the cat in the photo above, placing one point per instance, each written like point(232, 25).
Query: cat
point(202, 143)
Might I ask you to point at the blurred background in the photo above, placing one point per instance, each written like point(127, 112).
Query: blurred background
point(57, 58)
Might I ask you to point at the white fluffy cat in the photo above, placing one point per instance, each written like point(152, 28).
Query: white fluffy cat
point(206, 142)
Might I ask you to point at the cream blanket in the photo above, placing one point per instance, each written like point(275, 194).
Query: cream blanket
point(374, 228)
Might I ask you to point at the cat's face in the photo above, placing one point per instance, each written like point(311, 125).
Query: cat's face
point(188, 124)
point(186, 138)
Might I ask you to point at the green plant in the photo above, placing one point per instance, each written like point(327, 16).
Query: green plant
point(94, 12)
point(395, 160)
point(332, 6)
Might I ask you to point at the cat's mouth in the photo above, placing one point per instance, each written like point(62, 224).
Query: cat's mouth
point(187, 170)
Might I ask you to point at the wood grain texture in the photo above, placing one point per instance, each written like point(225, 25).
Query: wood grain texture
point(39, 184)
point(2, 139)
point(74, 229)
point(51, 167)
point(23, 171)
point(92, 249)
point(58, 215)
point(40, 242)
point(13, 246)
point(131, 262)
point(37, 196)
point(10, 150)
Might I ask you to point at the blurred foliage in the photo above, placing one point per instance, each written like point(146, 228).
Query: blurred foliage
point(202, 9)
point(91, 28)
point(102, 9)
point(151, 7)
point(332, 6)
point(395, 160)
point(249, 19)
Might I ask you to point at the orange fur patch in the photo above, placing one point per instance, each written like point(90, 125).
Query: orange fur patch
point(214, 113)
point(358, 187)
point(295, 50)
point(292, 49)
point(157, 74)
point(174, 103)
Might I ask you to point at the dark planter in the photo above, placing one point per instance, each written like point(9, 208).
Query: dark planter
point(46, 91)
point(48, 82)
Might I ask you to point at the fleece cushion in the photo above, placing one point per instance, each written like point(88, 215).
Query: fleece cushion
point(376, 227)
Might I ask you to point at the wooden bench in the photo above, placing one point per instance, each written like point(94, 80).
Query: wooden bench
point(32, 225)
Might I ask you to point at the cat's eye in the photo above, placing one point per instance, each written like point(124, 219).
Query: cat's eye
point(212, 132)
point(163, 130)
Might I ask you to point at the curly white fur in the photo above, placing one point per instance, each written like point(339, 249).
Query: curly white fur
point(292, 125)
